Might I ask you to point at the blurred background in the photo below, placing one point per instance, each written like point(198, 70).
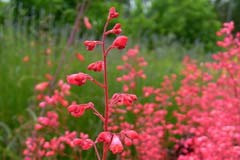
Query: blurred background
point(186, 21)
point(33, 34)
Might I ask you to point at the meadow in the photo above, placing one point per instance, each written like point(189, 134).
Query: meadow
point(31, 54)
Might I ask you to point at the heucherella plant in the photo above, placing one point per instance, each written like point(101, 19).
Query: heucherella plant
point(47, 140)
point(111, 141)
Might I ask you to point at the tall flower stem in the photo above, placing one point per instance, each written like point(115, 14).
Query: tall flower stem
point(106, 114)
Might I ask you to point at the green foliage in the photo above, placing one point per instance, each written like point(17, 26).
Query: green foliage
point(2, 10)
point(144, 20)
point(188, 20)
point(228, 11)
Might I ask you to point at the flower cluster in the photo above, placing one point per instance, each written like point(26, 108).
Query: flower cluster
point(39, 147)
point(116, 141)
point(50, 120)
point(78, 110)
point(57, 98)
point(133, 65)
point(208, 117)
point(206, 120)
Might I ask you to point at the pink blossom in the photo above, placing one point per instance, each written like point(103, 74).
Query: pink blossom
point(41, 86)
point(87, 24)
point(85, 144)
point(116, 29)
point(105, 137)
point(112, 13)
point(123, 99)
point(78, 78)
point(78, 110)
point(90, 45)
point(80, 57)
point(96, 66)
point(120, 42)
point(116, 145)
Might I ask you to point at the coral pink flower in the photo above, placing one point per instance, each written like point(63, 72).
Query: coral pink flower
point(78, 110)
point(116, 29)
point(123, 99)
point(112, 13)
point(42, 104)
point(105, 137)
point(85, 144)
point(25, 59)
point(80, 57)
point(147, 91)
point(96, 66)
point(120, 42)
point(128, 141)
point(90, 45)
point(130, 134)
point(50, 120)
point(41, 86)
point(116, 145)
point(88, 25)
point(78, 78)
point(132, 52)
point(43, 120)
point(119, 67)
point(38, 126)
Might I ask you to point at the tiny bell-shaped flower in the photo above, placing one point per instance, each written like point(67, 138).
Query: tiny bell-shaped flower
point(127, 141)
point(78, 78)
point(80, 57)
point(85, 144)
point(105, 137)
point(96, 66)
point(78, 110)
point(116, 29)
point(116, 145)
point(41, 86)
point(130, 134)
point(90, 45)
point(123, 99)
point(112, 13)
point(120, 42)
point(87, 24)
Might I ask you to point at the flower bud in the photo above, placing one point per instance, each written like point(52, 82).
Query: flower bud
point(78, 110)
point(120, 42)
point(90, 45)
point(78, 78)
point(105, 137)
point(96, 66)
point(87, 24)
point(41, 86)
point(112, 13)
